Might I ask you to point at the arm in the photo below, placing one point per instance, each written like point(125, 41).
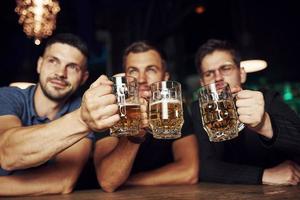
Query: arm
point(266, 114)
point(56, 178)
point(251, 110)
point(285, 123)
point(113, 160)
point(184, 169)
point(214, 168)
point(24, 147)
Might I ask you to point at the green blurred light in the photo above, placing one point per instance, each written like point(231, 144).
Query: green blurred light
point(287, 92)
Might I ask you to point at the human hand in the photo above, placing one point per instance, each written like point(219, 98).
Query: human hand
point(99, 110)
point(250, 107)
point(286, 173)
point(144, 113)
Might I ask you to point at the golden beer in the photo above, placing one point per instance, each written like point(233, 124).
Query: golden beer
point(166, 118)
point(129, 123)
point(220, 120)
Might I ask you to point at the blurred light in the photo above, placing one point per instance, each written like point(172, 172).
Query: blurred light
point(253, 65)
point(22, 85)
point(38, 17)
point(287, 92)
point(200, 9)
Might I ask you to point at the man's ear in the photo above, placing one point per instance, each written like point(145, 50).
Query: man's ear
point(85, 76)
point(243, 75)
point(39, 65)
point(166, 76)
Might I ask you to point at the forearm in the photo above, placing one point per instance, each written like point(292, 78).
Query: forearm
point(25, 147)
point(287, 133)
point(57, 177)
point(35, 183)
point(265, 127)
point(114, 169)
point(175, 173)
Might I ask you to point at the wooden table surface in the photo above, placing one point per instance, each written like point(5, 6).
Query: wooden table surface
point(201, 191)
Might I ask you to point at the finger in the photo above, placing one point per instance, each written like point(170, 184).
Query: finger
point(107, 122)
point(245, 102)
point(295, 180)
point(105, 100)
point(245, 94)
point(245, 111)
point(100, 90)
point(106, 112)
point(145, 123)
point(101, 80)
point(119, 74)
point(145, 94)
point(144, 105)
point(235, 89)
point(296, 169)
point(246, 119)
point(144, 116)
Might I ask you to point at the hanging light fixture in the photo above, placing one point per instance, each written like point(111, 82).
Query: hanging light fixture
point(253, 65)
point(38, 17)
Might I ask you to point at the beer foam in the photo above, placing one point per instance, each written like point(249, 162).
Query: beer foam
point(166, 101)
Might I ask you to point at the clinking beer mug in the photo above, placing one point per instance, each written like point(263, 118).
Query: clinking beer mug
point(126, 91)
point(218, 112)
point(166, 114)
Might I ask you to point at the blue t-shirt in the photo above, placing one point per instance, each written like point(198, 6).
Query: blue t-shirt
point(20, 102)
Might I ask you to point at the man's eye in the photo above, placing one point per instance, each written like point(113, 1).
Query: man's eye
point(132, 71)
point(52, 61)
point(151, 70)
point(73, 67)
point(226, 67)
point(208, 74)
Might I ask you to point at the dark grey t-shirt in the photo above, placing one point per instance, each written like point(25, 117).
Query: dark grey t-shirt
point(20, 102)
point(155, 153)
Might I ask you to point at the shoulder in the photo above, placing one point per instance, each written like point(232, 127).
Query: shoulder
point(13, 94)
point(269, 94)
point(271, 97)
point(13, 100)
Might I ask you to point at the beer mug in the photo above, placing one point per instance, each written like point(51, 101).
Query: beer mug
point(165, 110)
point(218, 112)
point(126, 91)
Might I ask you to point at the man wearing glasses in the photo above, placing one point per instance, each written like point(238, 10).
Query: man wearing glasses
point(263, 152)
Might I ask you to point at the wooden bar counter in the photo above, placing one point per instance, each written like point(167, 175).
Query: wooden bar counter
point(200, 191)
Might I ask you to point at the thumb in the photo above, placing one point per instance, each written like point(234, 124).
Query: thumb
point(235, 89)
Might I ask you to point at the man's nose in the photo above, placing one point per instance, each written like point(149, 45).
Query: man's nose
point(142, 78)
point(218, 75)
point(61, 71)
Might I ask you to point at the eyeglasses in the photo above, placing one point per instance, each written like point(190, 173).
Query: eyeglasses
point(225, 70)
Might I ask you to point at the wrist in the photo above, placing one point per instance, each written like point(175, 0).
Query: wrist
point(81, 123)
point(264, 127)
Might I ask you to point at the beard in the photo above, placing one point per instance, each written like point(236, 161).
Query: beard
point(56, 94)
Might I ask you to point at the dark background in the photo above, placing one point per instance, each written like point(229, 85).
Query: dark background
point(266, 30)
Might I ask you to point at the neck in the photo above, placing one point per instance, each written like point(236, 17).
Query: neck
point(44, 106)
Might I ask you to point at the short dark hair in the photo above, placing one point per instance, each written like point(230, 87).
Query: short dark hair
point(143, 46)
point(216, 45)
point(70, 39)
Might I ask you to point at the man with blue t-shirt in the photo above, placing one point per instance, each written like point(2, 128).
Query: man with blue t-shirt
point(44, 137)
